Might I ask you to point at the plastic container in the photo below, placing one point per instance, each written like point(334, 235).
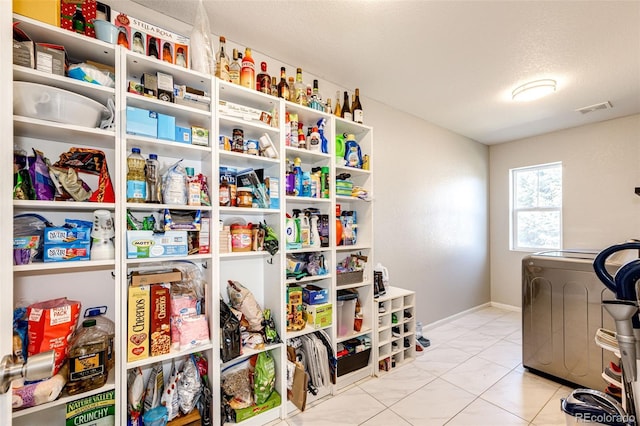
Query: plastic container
point(152, 176)
point(53, 104)
point(346, 314)
point(108, 327)
point(241, 237)
point(87, 359)
point(136, 181)
point(106, 31)
point(244, 197)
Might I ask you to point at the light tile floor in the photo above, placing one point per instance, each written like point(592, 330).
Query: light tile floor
point(470, 375)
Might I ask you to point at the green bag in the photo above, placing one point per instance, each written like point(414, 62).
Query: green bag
point(264, 377)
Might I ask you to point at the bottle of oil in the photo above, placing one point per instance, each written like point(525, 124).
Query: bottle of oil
point(136, 181)
point(87, 359)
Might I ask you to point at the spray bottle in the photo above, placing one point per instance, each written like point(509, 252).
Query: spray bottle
point(315, 232)
point(324, 143)
point(297, 174)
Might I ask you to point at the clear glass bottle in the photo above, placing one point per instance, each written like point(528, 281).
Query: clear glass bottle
point(346, 111)
point(234, 68)
point(248, 70)
point(263, 80)
point(338, 109)
point(327, 107)
point(356, 111)
point(136, 181)
point(222, 61)
point(283, 87)
point(300, 90)
point(87, 359)
point(152, 175)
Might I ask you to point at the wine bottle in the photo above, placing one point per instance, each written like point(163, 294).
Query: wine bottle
point(346, 111)
point(263, 81)
point(274, 87)
point(327, 107)
point(234, 68)
point(78, 22)
point(338, 110)
point(300, 90)
point(358, 115)
point(248, 70)
point(283, 87)
point(222, 61)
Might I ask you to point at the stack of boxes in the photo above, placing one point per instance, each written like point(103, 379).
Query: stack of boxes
point(66, 244)
point(316, 309)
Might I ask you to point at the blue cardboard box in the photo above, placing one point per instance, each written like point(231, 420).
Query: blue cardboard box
point(314, 295)
point(62, 235)
point(183, 134)
point(142, 122)
point(166, 127)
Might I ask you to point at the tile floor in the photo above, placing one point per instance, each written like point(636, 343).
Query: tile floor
point(470, 375)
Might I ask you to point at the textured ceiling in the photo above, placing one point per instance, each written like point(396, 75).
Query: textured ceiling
point(452, 63)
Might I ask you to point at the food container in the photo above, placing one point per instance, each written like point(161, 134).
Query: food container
point(241, 237)
point(53, 104)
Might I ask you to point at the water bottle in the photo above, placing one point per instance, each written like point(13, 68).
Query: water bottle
point(152, 176)
point(136, 182)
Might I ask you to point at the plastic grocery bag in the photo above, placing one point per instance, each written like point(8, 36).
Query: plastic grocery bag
point(202, 57)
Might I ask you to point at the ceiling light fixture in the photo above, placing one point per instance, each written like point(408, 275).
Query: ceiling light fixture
point(533, 90)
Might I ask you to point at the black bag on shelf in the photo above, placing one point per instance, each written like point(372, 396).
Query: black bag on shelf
point(229, 333)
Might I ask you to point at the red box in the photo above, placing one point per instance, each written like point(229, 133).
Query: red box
point(89, 11)
point(160, 329)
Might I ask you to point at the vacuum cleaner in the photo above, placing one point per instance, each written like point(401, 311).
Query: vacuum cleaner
point(595, 407)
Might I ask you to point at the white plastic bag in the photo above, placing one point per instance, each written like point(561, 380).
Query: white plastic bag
point(202, 56)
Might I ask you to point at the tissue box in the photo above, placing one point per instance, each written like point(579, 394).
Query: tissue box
point(314, 295)
point(145, 244)
point(142, 122)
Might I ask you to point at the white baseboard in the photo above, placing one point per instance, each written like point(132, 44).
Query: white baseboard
point(506, 307)
point(468, 311)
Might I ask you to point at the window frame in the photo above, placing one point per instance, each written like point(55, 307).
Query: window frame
point(513, 221)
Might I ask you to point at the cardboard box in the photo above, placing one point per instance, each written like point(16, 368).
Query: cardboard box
point(199, 136)
point(51, 58)
point(318, 316)
point(61, 235)
point(138, 323)
point(23, 49)
point(155, 277)
point(246, 413)
point(47, 11)
point(66, 252)
point(314, 295)
point(191, 103)
point(151, 40)
point(89, 12)
point(295, 309)
point(147, 244)
point(142, 122)
point(273, 190)
point(191, 419)
point(160, 329)
point(244, 112)
point(204, 239)
point(183, 134)
point(166, 127)
point(92, 410)
point(165, 87)
point(150, 85)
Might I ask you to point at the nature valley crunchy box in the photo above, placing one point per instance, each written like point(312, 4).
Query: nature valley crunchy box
point(138, 323)
point(95, 410)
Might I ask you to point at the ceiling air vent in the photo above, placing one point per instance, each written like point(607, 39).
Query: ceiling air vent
point(595, 107)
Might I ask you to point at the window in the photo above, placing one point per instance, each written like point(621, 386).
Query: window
point(536, 207)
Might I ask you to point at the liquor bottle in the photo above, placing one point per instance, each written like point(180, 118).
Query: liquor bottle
point(263, 81)
point(234, 68)
point(77, 21)
point(274, 86)
point(346, 112)
point(300, 89)
point(338, 110)
point(327, 107)
point(292, 90)
point(283, 87)
point(222, 61)
point(248, 70)
point(152, 50)
point(356, 111)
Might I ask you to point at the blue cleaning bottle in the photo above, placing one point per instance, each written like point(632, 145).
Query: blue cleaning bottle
point(352, 153)
point(324, 143)
point(297, 174)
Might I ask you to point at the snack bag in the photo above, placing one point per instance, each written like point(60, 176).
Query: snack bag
point(51, 324)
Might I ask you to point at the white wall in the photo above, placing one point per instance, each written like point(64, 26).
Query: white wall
point(601, 168)
point(430, 212)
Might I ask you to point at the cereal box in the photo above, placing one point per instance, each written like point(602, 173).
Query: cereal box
point(151, 40)
point(160, 316)
point(138, 323)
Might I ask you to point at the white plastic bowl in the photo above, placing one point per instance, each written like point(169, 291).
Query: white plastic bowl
point(53, 104)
